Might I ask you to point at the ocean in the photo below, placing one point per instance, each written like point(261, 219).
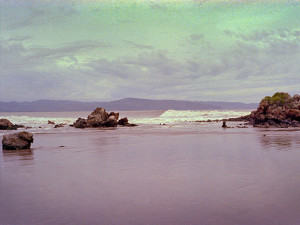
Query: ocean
point(38, 121)
point(170, 169)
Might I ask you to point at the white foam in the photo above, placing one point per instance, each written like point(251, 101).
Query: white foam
point(185, 116)
point(38, 121)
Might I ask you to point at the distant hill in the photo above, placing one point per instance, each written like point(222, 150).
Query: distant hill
point(126, 104)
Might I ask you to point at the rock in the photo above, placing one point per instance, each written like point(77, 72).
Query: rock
point(97, 118)
point(5, 124)
point(17, 141)
point(80, 123)
point(294, 114)
point(116, 115)
point(59, 125)
point(111, 122)
point(51, 122)
point(224, 124)
point(100, 118)
point(296, 97)
point(124, 122)
point(279, 111)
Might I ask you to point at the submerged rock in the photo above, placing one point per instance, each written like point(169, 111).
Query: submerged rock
point(5, 124)
point(17, 141)
point(124, 122)
point(51, 122)
point(59, 125)
point(224, 124)
point(100, 118)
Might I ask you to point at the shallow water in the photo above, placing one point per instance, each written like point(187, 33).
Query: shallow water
point(190, 174)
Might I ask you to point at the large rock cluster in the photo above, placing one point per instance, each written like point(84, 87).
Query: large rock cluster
point(5, 124)
point(100, 118)
point(17, 141)
point(281, 110)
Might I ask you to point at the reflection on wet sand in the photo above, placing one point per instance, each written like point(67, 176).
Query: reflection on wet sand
point(154, 176)
point(276, 141)
point(13, 155)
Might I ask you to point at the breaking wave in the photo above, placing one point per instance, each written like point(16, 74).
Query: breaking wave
point(184, 116)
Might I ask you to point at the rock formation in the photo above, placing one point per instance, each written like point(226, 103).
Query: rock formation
point(51, 122)
point(5, 124)
point(100, 118)
point(124, 122)
point(281, 110)
point(17, 141)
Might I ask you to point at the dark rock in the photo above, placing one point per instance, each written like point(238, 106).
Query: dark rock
point(51, 122)
point(116, 115)
point(296, 97)
point(5, 124)
point(294, 114)
point(111, 122)
point(59, 125)
point(100, 118)
point(224, 124)
point(17, 141)
point(97, 118)
point(80, 123)
point(279, 111)
point(124, 122)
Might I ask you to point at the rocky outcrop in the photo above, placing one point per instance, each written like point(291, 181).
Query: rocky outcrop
point(280, 111)
point(17, 141)
point(5, 124)
point(99, 118)
point(124, 122)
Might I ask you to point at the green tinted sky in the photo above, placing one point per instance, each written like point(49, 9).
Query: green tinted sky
point(105, 50)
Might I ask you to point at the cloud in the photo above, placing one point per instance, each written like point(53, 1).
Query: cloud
point(138, 46)
point(20, 38)
point(118, 51)
point(264, 36)
point(24, 14)
point(151, 73)
point(16, 55)
point(157, 62)
point(197, 37)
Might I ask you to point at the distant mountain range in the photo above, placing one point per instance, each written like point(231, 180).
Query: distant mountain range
point(126, 104)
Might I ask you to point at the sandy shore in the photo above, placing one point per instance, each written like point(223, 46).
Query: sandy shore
point(162, 175)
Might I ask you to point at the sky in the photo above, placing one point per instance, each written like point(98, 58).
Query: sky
point(97, 50)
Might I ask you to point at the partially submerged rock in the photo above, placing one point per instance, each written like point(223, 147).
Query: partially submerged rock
point(51, 122)
point(100, 118)
point(17, 141)
point(279, 111)
point(124, 122)
point(224, 124)
point(5, 124)
point(59, 125)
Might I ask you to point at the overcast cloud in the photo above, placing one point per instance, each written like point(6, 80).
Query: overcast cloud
point(188, 50)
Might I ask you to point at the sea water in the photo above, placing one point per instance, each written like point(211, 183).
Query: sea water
point(184, 172)
point(38, 121)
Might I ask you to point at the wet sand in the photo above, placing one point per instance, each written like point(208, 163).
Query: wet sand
point(158, 175)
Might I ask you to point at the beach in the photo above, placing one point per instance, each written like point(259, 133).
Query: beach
point(179, 173)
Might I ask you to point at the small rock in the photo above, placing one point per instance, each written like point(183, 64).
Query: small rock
point(51, 122)
point(59, 125)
